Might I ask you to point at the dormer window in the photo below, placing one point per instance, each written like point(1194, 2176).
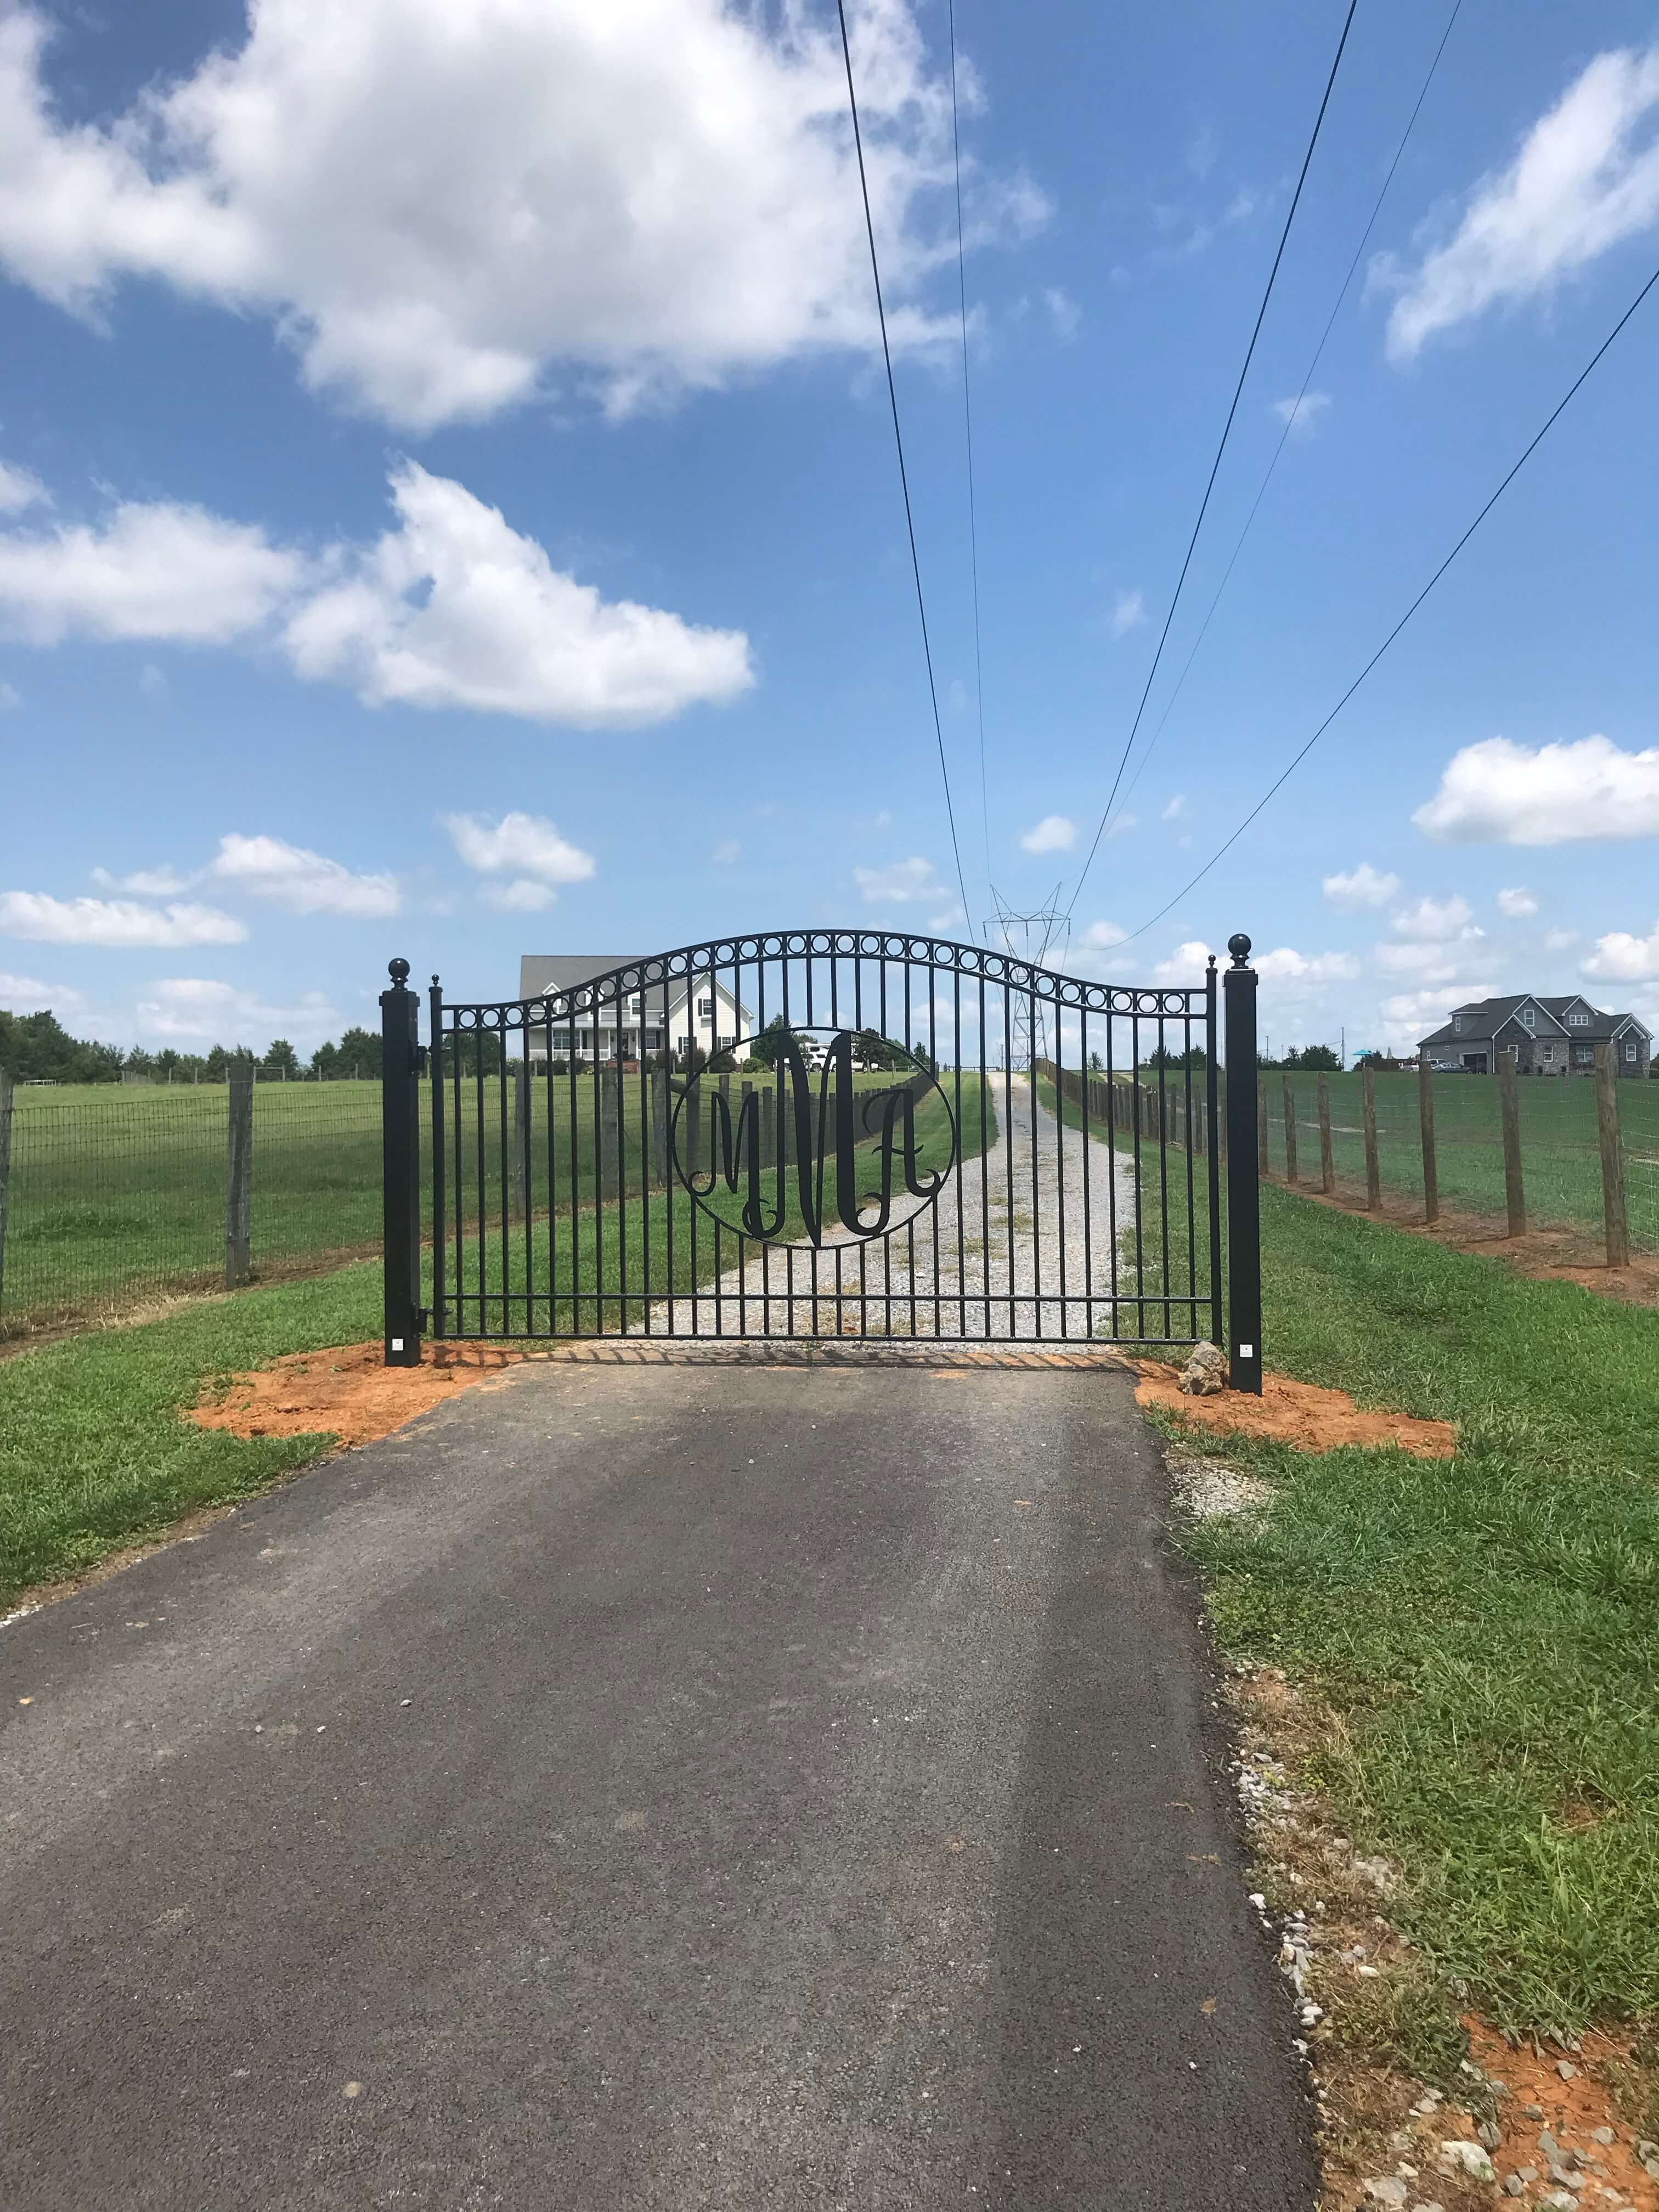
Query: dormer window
point(1528, 1017)
point(1457, 1025)
point(1579, 1019)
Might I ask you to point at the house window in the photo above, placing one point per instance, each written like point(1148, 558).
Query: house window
point(1579, 1021)
point(705, 1009)
point(1457, 1025)
point(1529, 1018)
point(1632, 1052)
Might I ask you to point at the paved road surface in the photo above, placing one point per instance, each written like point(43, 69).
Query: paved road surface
point(807, 1794)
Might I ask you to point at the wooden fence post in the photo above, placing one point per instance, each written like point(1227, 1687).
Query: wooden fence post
point(1289, 1081)
point(239, 1192)
point(1327, 1157)
point(521, 1139)
point(1613, 1159)
point(1373, 1164)
point(1509, 1106)
point(5, 1172)
point(1431, 1166)
point(1261, 1160)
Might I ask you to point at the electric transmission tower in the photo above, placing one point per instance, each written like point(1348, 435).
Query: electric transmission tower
point(1029, 937)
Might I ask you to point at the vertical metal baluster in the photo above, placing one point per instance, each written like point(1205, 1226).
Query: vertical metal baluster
point(1213, 1151)
point(572, 1066)
point(864, 1243)
point(956, 1058)
point(620, 1130)
point(932, 1054)
point(1112, 1164)
point(886, 1241)
point(499, 1032)
point(1036, 1209)
point(984, 1156)
point(693, 1130)
point(1140, 1217)
point(1191, 1212)
point(647, 1166)
point(461, 1329)
point(768, 1075)
point(1085, 1078)
point(1059, 1162)
point(483, 1177)
point(783, 1156)
point(1163, 1156)
point(552, 1191)
point(440, 1164)
point(1008, 1137)
point(672, 1178)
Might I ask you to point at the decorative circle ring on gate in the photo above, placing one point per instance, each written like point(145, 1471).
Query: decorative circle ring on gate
point(826, 1135)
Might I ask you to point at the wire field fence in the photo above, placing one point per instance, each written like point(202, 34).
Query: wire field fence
point(1516, 1153)
point(112, 1197)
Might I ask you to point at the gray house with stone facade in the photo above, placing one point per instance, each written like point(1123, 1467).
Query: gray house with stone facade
point(1548, 1037)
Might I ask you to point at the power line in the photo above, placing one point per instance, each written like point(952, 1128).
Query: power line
point(1297, 758)
point(1215, 466)
point(968, 426)
point(898, 440)
point(1290, 419)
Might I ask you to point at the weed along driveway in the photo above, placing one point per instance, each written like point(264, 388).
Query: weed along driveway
point(691, 1784)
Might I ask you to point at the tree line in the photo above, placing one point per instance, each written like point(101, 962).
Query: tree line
point(37, 1048)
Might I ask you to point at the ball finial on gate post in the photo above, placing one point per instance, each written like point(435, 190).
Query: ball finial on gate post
point(1239, 947)
point(398, 971)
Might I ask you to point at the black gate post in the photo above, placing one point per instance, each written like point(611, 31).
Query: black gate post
point(1244, 1175)
point(400, 1132)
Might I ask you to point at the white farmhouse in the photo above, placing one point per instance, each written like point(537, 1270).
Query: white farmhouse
point(665, 1017)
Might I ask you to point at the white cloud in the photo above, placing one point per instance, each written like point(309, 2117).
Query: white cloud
point(146, 883)
point(1175, 809)
point(1433, 921)
point(904, 883)
point(1430, 962)
point(1120, 824)
point(1496, 793)
point(1185, 965)
point(113, 922)
point(524, 895)
point(188, 1009)
point(1306, 970)
point(1516, 904)
point(1056, 833)
point(148, 571)
point(268, 868)
point(1128, 612)
point(1064, 312)
point(727, 854)
point(1408, 1015)
point(1587, 177)
point(526, 847)
point(1362, 886)
point(1560, 940)
point(1103, 935)
point(455, 608)
point(439, 206)
point(20, 488)
point(1622, 958)
point(1301, 416)
point(27, 994)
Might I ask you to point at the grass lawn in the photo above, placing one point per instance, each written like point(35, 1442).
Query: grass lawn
point(1486, 1626)
point(118, 1193)
point(93, 1453)
point(1560, 1148)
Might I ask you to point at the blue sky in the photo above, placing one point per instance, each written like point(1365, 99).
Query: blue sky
point(447, 501)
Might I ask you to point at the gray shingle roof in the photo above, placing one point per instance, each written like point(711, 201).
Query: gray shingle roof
point(539, 972)
point(1491, 1014)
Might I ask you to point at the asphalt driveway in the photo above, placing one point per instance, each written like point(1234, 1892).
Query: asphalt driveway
point(677, 1786)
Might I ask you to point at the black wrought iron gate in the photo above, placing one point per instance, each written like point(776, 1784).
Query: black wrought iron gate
point(825, 1133)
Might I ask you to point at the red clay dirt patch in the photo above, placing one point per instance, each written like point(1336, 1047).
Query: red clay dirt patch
point(1575, 2111)
point(348, 1391)
point(1299, 1414)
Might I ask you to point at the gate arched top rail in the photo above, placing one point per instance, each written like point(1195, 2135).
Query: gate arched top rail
point(943, 954)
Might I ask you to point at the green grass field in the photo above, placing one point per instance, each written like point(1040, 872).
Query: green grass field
point(117, 1193)
point(1486, 1626)
point(1560, 1147)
